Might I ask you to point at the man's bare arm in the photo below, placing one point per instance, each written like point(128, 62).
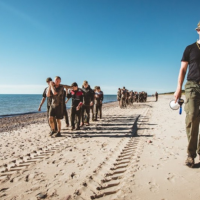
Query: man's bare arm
point(53, 91)
point(67, 86)
point(43, 100)
point(51, 88)
point(181, 77)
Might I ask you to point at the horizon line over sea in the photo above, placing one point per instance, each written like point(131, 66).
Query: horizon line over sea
point(19, 104)
point(38, 94)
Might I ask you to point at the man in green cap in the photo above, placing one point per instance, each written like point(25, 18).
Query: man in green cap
point(191, 57)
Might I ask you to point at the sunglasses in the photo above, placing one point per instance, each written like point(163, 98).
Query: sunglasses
point(198, 29)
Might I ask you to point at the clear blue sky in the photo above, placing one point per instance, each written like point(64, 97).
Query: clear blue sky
point(111, 43)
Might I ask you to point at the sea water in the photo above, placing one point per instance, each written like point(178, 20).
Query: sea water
point(14, 104)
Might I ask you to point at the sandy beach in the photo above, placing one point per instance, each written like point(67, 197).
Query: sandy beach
point(137, 153)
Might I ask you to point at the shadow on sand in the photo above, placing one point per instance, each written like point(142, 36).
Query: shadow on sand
point(113, 127)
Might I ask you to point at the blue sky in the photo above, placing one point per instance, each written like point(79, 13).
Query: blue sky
point(110, 43)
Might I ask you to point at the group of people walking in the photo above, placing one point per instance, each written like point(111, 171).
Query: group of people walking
point(126, 97)
point(84, 100)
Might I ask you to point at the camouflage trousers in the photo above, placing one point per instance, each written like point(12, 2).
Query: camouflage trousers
point(192, 105)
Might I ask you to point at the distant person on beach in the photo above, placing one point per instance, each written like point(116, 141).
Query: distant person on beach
point(88, 100)
point(119, 95)
point(145, 96)
point(123, 97)
point(98, 100)
point(49, 99)
point(136, 96)
point(131, 97)
point(191, 57)
point(56, 90)
point(156, 95)
point(127, 97)
point(77, 101)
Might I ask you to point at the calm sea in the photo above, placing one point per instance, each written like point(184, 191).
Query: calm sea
point(13, 104)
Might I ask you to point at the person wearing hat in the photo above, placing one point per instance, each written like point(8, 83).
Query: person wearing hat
point(77, 102)
point(191, 58)
point(49, 99)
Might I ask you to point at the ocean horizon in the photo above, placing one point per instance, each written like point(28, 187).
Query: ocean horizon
point(18, 104)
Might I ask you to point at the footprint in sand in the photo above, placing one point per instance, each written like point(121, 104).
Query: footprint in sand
point(153, 187)
point(171, 177)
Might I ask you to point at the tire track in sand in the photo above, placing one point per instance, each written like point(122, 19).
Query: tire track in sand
point(107, 180)
point(11, 168)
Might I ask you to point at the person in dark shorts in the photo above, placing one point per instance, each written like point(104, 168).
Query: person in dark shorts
point(98, 100)
point(191, 58)
point(56, 90)
point(49, 99)
point(77, 102)
point(88, 98)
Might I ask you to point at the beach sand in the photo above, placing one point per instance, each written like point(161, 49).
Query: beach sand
point(133, 153)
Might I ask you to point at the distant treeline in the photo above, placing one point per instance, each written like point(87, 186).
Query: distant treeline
point(183, 91)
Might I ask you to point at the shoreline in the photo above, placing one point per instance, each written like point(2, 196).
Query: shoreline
point(35, 112)
point(15, 122)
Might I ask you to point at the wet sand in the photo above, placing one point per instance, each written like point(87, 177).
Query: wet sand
point(133, 153)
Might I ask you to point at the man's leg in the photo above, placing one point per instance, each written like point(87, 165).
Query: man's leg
point(48, 107)
point(73, 110)
point(54, 119)
point(87, 109)
point(52, 125)
point(82, 115)
point(66, 116)
point(192, 125)
point(92, 109)
point(192, 122)
point(58, 134)
point(59, 111)
point(58, 124)
point(55, 124)
point(97, 111)
point(78, 119)
point(123, 102)
point(100, 111)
